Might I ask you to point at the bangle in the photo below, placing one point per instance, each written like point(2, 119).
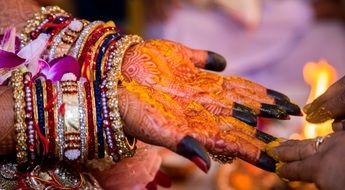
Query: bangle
point(50, 115)
point(109, 134)
point(60, 123)
point(38, 18)
point(102, 54)
point(29, 118)
point(19, 119)
point(113, 76)
point(90, 120)
point(99, 121)
point(82, 121)
point(40, 106)
point(87, 54)
point(75, 50)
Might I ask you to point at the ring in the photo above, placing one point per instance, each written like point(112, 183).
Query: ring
point(319, 141)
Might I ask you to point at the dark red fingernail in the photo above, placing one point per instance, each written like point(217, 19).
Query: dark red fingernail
point(191, 149)
point(200, 163)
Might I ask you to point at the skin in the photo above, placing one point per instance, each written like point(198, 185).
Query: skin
point(303, 163)
point(168, 99)
point(324, 167)
point(329, 105)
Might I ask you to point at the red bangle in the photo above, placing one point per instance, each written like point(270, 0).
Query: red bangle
point(50, 113)
point(90, 121)
point(86, 56)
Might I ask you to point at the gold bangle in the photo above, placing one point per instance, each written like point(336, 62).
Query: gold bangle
point(19, 118)
point(37, 19)
point(113, 76)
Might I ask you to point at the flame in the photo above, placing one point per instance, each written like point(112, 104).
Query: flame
point(319, 76)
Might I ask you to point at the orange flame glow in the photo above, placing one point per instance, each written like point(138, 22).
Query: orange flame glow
point(319, 76)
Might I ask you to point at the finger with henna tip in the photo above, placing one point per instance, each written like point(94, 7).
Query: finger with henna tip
point(273, 111)
point(244, 114)
point(194, 151)
point(266, 162)
point(338, 125)
point(264, 137)
point(277, 95)
point(207, 59)
point(289, 107)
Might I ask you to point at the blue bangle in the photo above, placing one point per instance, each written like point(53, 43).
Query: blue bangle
point(40, 106)
point(98, 103)
point(102, 50)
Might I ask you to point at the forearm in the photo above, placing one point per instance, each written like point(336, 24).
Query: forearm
point(16, 13)
point(7, 132)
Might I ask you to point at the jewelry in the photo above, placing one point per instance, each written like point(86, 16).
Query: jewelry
point(113, 76)
point(29, 118)
point(99, 121)
point(75, 50)
point(82, 121)
point(50, 115)
point(319, 141)
point(60, 123)
point(38, 18)
point(19, 120)
point(90, 120)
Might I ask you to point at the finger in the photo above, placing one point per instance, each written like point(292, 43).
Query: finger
point(299, 170)
point(261, 94)
point(237, 111)
point(248, 149)
point(234, 81)
point(332, 91)
point(206, 59)
point(332, 108)
point(153, 118)
point(338, 125)
point(293, 150)
point(231, 124)
point(260, 109)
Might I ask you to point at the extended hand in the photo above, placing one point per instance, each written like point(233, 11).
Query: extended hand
point(305, 162)
point(168, 100)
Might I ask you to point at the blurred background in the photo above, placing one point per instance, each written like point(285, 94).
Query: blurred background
point(294, 46)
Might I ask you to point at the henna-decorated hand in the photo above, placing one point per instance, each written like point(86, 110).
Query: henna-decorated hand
point(329, 105)
point(168, 100)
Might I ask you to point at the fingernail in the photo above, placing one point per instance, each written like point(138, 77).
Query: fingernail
point(338, 125)
point(273, 111)
point(289, 107)
point(200, 163)
point(264, 137)
point(215, 62)
point(277, 95)
point(244, 114)
point(319, 116)
point(266, 162)
point(306, 108)
point(191, 149)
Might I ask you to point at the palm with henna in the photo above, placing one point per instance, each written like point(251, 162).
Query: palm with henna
point(168, 99)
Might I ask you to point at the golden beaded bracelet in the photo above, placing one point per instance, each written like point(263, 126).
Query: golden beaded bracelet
point(19, 119)
point(37, 19)
point(113, 76)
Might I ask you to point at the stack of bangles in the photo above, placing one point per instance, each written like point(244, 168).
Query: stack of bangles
point(72, 120)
